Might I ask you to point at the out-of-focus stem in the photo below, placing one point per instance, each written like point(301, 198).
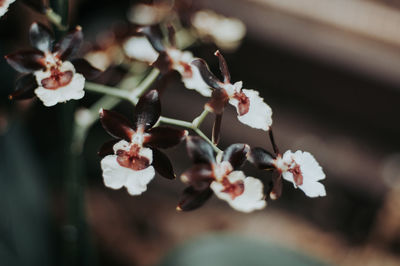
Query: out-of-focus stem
point(55, 19)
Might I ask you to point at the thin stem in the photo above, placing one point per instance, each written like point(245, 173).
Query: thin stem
point(185, 124)
point(198, 120)
point(271, 137)
point(143, 86)
point(111, 91)
point(55, 19)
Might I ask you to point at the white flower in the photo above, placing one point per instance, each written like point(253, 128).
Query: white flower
point(4, 4)
point(59, 83)
point(140, 48)
point(243, 193)
point(190, 75)
point(258, 114)
point(303, 171)
point(117, 176)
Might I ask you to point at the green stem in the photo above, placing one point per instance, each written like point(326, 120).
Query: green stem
point(198, 120)
point(111, 91)
point(55, 19)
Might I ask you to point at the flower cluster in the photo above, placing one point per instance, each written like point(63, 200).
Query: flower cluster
point(133, 157)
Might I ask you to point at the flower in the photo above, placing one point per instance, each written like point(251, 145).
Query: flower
point(166, 58)
point(227, 33)
point(303, 171)
point(48, 74)
point(300, 168)
point(220, 175)
point(133, 157)
point(251, 108)
point(4, 4)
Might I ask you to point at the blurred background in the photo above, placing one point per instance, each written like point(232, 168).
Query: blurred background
point(330, 70)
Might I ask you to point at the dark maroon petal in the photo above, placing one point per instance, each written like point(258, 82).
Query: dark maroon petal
point(25, 87)
point(26, 61)
point(171, 35)
point(70, 44)
point(163, 63)
point(112, 75)
point(147, 110)
point(40, 37)
point(162, 164)
point(199, 176)
point(199, 150)
point(116, 125)
point(164, 137)
point(154, 34)
point(206, 74)
point(107, 148)
point(216, 130)
point(236, 154)
point(85, 68)
point(223, 66)
point(218, 100)
point(37, 5)
point(261, 158)
point(192, 199)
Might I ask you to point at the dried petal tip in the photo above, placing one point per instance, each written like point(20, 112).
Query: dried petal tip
point(101, 112)
point(273, 196)
point(178, 208)
point(10, 97)
point(78, 28)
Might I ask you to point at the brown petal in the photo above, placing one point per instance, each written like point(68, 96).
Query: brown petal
point(37, 5)
point(24, 88)
point(85, 68)
point(107, 148)
point(223, 66)
point(70, 44)
point(116, 125)
point(162, 164)
point(261, 158)
point(26, 61)
point(244, 103)
point(218, 100)
point(199, 150)
point(206, 74)
point(164, 137)
point(154, 34)
point(40, 37)
point(147, 110)
point(216, 130)
point(171, 35)
point(163, 63)
point(236, 154)
point(199, 176)
point(192, 199)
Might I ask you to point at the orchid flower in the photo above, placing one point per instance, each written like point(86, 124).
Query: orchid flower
point(4, 6)
point(133, 157)
point(47, 73)
point(299, 168)
point(220, 175)
point(251, 108)
point(166, 58)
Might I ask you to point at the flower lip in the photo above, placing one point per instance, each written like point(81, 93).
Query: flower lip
point(132, 158)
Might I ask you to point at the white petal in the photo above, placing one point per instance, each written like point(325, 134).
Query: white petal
point(73, 90)
point(309, 166)
point(313, 189)
point(196, 82)
point(4, 6)
point(259, 115)
point(114, 175)
point(137, 181)
point(140, 48)
point(252, 198)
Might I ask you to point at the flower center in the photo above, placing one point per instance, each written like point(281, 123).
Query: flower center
point(233, 189)
point(221, 170)
point(57, 79)
point(187, 70)
point(297, 175)
point(132, 158)
point(244, 102)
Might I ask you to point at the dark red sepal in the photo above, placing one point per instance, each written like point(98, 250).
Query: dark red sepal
point(163, 63)
point(85, 68)
point(261, 158)
point(116, 125)
point(162, 164)
point(218, 100)
point(164, 137)
point(70, 44)
point(37, 5)
point(26, 61)
point(199, 150)
point(147, 110)
point(198, 176)
point(223, 66)
point(192, 199)
point(154, 35)
point(216, 130)
point(25, 88)
point(206, 74)
point(40, 37)
point(236, 154)
point(107, 148)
